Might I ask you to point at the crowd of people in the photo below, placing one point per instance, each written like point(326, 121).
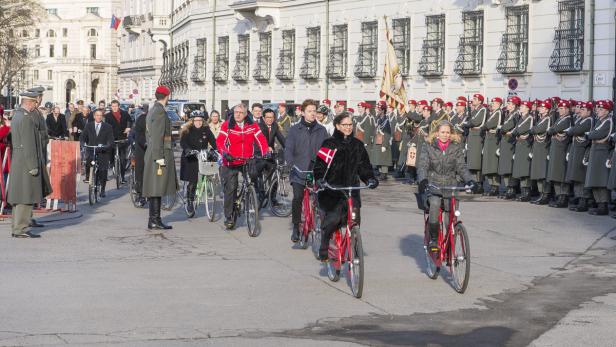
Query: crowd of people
point(556, 152)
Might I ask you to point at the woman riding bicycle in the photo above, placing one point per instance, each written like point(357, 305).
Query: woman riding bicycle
point(194, 137)
point(342, 161)
point(440, 163)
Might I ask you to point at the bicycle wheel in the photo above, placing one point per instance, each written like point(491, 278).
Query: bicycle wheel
point(307, 222)
point(333, 264)
point(92, 187)
point(356, 263)
point(280, 192)
point(209, 197)
point(316, 235)
point(117, 170)
point(251, 206)
point(432, 269)
point(131, 187)
point(460, 258)
point(168, 202)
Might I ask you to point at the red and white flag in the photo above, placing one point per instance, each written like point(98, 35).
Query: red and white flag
point(327, 155)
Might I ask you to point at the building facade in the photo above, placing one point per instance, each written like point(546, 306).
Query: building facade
point(144, 39)
point(226, 51)
point(74, 52)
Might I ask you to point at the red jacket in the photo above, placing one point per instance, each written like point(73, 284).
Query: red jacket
point(240, 142)
point(4, 133)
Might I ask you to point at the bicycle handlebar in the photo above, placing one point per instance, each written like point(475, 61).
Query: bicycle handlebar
point(97, 146)
point(330, 187)
point(450, 188)
point(301, 171)
point(120, 141)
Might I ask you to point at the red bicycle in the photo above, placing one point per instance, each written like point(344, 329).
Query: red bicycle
point(345, 247)
point(454, 247)
point(311, 219)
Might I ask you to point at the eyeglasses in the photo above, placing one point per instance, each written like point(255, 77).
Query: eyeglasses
point(348, 125)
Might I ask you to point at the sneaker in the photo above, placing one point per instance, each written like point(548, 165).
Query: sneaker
point(229, 223)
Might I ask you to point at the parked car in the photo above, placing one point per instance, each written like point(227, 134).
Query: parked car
point(176, 123)
point(185, 107)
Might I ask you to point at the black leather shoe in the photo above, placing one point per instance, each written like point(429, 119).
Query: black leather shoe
point(323, 254)
point(26, 235)
point(35, 224)
point(157, 224)
point(229, 223)
point(295, 234)
point(601, 210)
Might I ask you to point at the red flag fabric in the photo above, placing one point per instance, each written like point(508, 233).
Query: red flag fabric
point(327, 155)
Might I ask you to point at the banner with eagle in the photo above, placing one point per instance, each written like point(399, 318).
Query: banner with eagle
point(392, 86)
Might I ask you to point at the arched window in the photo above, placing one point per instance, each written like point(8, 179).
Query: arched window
point(51, 33)
point(92, 33)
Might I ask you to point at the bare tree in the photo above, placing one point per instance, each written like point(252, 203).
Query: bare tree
point(17, 19)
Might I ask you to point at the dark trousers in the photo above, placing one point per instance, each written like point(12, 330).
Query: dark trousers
point(395, 152)
point(335, 219)
point(434, 203)
point(228, 175)
point(122, 150)
point(102, 169)
point(139, 164)
point(264, 169)
point(296, 203)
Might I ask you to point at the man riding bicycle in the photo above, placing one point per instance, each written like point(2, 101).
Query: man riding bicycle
point(121, 123)
point(264, 166)
point(440, 163)
point(342, 161)
point(236, 142)
point(98, 133)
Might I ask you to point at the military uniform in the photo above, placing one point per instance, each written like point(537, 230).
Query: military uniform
point(284, 123)
point(489, 163)
point(506, 149)
point(365, 131)
point(540, 152)
point(597, 173)
point(409, 132)
point(576, 166)
point(474, 141)
point(381, 145)
point(522, 154)
point(436, 118)
point(396, 134)
point(557, 165)
point(457, 122)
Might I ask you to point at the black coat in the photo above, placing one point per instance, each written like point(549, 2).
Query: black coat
point(272, 135)
point(56, 128)
point(139, 130)
point(118, 128)
point(349, 165)
point(80, 123)
point(105, 138)
point(194, 139)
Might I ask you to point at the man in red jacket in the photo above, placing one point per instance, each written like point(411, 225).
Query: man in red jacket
point(236, 142)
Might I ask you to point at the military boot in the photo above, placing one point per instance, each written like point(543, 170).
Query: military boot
point(543, 200)
point(525, 196)
point(510, 195)
point(562, 201)
point(573, 204)
point(601, 209)
point(582, 205)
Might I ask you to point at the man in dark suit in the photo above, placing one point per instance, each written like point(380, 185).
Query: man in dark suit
point(272, 132)
point(140, 146)
point(121, 123)
point(56, 124)
point(98, 133)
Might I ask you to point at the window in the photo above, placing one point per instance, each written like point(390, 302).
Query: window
point(264, 58)
point(367, 57)
point(36, 75)
point(37, 32)
point(37, 51)
point(337, 65)
point(221, 71)
point(93, 10)
point(433, 59)
point(92, 51)
point(64, 51)
point(52, 52)
point(24, 33)
point(286, 64)
point(470, 49)
point(92, 32)
point(198, 72)
point(51, 33)
point(64, 32)
point(311, 67)
point(514, 44)
point(240, 72)
point(568, 54)
point(49, 75)
point(52, 11)
point(402, 43)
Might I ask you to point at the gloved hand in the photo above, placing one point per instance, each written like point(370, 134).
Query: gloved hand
point(321, 183)
point(551, 132)
point(514, 133)
point(422, 186)
point(472, 185)
point(373, 183)
point(192, 153)
point(228, 156)
point(383, 149)
point(34, 172)
point(570, 132)
point(161, 162)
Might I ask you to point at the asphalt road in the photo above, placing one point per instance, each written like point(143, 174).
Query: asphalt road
point(540, 276)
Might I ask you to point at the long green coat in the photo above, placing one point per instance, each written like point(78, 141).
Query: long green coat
point(541, 150)
point(457, 121)
point(489, 162)
point(158, 138)
point(378, 157)
point(521, 158)
point(27, 155)
point(420, 138)
point(611, 181)
point(557, 165)
point(576, 170)
point(411, 122)
point(365, 124)
point(474, 141)
point(506, 148)
point(597, 174)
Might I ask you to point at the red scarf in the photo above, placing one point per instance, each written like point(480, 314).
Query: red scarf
point(442, 145)
point(117, 116)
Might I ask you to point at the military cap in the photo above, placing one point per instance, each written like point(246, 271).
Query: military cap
point(461, 103)
point(29, 95)
point(427, 108)
point(515, 100)
point(412, 102)
point(327, 102)
point(604, 104)
point(448, 104)
point(351, 110)
point(564, 103)
point(497, 99)
point(478, 97)
point(528, 104)
point(38, 90)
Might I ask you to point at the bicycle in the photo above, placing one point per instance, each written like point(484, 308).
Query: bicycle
point(117, 162)
point(94, 186)
point(454, 247)
point(207, 183)
point(310, 221)
point(278, 189)
point(246, 201)
point(132, 183)
point(346, 247)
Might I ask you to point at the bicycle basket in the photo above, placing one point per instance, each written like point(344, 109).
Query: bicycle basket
point(208, 168)
point(422, 201)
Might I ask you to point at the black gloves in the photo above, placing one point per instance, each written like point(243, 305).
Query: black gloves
point(228, 156)
point(551, 132)
point(373, 183)
point(515, 133)
point(422, 186)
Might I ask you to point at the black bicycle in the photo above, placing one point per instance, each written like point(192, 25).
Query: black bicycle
point(246, 201)
point(117, 162)
point(278, 191)
point(94, 186)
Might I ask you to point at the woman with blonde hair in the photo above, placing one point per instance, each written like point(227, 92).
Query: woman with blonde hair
point(440, 163)
point(215, 123)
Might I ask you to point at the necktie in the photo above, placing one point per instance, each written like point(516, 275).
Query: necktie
point(98, 128)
